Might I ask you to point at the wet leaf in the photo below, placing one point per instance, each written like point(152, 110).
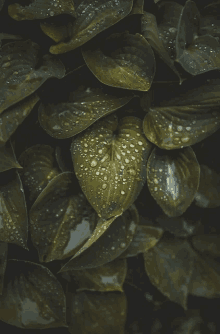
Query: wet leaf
point(109, 240)
point(91, 19)
point(21, 75)
point(108, 277)
point(60, 220)
point(11, 118)
point(208, 244)
point(32, 297)
point(63, 158)
point(40, 9)
point(151, 33)
point(13, 214)
point(173, 179)
point(130, 63)
point(114, 174)
point(138, 7)
point(90, 312)
point(39, 169)
point(3, 262)
point(7, 158)
point(208, 194)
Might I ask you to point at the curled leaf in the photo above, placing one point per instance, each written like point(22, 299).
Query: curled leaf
point(130, 62)
point(111, 167)
point(7, 158)
point(3, 262)
point(173, 179)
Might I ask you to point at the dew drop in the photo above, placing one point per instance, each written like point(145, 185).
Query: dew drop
point(122, 192)
point(140, 143)
point(104, 186)
point(127, 161)
point(188, 128)
point(93, 163)
point(122, 245)
point(179, 128)
point(185, 139)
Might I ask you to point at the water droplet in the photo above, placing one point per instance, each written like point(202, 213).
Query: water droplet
point(179, 128)
point(140, 143)
point(104, 186)
point(93, 163)
point(113, 248)
point(188, 128)
point(122, 192)
point(100, 151)
point(122, 245)
point(127, 161)
point(185, 139)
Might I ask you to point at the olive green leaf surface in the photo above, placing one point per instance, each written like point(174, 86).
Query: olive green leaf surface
point(3, 263)
point(208, 244)
point(4, 36)
point(7, 158)
point(130, 61)
point(32, 297)
point(114, 174)
point(138, 7)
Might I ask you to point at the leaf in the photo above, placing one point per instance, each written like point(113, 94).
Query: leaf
point(13, 214)
point(60, 220)
point(208, 244)
point(39, 169)
point(130, 63)
point(190, 323)
point(7, 36)
point(91, 19)
point(114, 174)
point(151, 33)
point(40, 9)
point(1, 4)
point(173, 179)
point(21, 75)
point(7, 158)
point(92, 311)
point(12, 117)
point(108, 277)
point(3, 262)
point(56, 31)
point(138, 7)
point(108, 241)
point(32, 297)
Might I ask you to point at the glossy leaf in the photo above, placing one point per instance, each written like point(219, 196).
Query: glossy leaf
point(110, 244)
point(173, 179)
point(208, 244)
point(3, 263)
point(111, 167)
point(13, 214)
point(7, 158)
point(32, 297)
point(21, 74)
point(90, 312)
point(11, 118)
point(91, 19)
point(61, 221)
point(130, 63)
point(40, 9)
point(39, 169)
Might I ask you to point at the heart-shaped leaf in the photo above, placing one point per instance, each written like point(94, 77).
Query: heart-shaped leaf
point(111, 167)
point(89, 312)
point(13, 214)
point(91, 19)
point(20, 73)
point(7, 158)
point(39, 9)
point(208, 244)
point(32, 297)
point(3, 262)
point(109, 245)
point(130, 63)
point(173, 179)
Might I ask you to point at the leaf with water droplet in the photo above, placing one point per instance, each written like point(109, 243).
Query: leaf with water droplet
point(7, 158)
point(109, 240)
point(129, 61)
point(111, 168)
point(32, 297)
point(13, 213)
point(63, 157)
point(3, 262)
point(91, 19)
point(208, 244)
point(173, 179)
point(40, 9)
point(21, 73)
point(60, 220)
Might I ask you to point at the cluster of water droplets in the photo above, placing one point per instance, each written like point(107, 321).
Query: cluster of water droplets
point(167, 36)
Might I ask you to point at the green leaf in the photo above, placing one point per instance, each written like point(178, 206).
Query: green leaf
point(21, 75)
point(208, 244)
point(7, 158)
point(13, 214)
point(130, 62)
point(138, 7)
point(7, 36)
point(3, 262)
point(56, 31)
point(32, 297)
point(91, 19)
point(173, 179)
point(111, 167)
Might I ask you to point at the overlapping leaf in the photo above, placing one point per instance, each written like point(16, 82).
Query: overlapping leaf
point(57, 32)
point(173, 179)
point(7, 36)
point(111, 167)
point(138, 7)
point(7, 158)
point(130, 62)
point(20, 73)
point(32, 297)
point(3, 262)
point(208, 244)
point(91, 19)
point(13, 214)
point(40, 9)
point(109, 241)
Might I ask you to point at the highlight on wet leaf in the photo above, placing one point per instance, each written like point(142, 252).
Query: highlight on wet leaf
point(91, 19)
point(13, 213)
point(208, 244)
point(61, 220)
point(21, 73)
point(7, 158)
point(89, 311)
point(39, 168)
point(3, 263)
point(110, 165)
point(40, 9)
point(128, 59)
point(32, 297)
point(173, 179)
point(111, 240)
